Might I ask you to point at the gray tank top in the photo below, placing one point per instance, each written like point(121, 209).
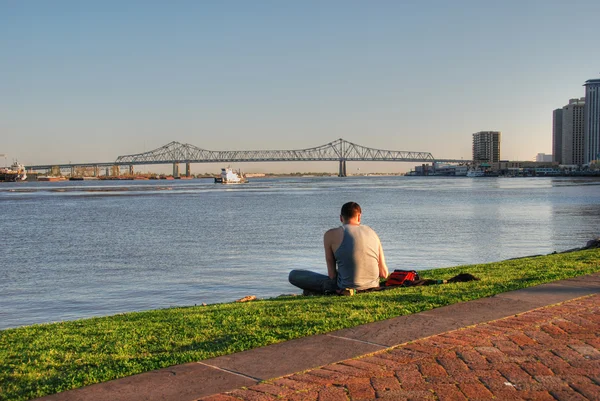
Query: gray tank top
point(358, 258)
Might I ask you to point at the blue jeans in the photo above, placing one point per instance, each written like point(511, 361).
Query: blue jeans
point(312, 281)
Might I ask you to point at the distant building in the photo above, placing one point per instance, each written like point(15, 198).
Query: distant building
point(592, 121)
point(528, 168)
point(557, 136)
point(542, 157)
point(486, 147)
point(573, 132)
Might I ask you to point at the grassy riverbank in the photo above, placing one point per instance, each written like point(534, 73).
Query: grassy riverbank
point(45, 359)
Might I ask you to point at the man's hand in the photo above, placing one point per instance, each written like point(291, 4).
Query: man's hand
point(383, 270)
point(328, 240)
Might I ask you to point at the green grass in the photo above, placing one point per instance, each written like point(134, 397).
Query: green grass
point(44, 359)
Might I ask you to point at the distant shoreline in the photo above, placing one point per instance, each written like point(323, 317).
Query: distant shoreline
point(252, 176)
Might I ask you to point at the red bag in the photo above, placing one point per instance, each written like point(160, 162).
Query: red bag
point(400, 277)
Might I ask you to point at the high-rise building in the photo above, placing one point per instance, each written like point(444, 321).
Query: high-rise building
point(557, 135)
point(486, 147)
point(573, 132)
point(592, 121)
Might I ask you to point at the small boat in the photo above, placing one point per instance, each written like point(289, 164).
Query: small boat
point(228, 176)
point(475, 173)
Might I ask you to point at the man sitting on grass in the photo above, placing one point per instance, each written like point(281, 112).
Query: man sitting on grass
point(354, 258)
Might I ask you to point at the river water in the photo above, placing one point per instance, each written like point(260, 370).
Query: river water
point(72, 250)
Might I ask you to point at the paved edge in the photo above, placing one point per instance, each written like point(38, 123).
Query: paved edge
point(226, 373)
point(546, 354)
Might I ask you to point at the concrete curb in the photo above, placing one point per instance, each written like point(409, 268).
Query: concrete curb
point(226, 373)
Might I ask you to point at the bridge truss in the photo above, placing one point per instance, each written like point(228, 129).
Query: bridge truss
point(338, 150)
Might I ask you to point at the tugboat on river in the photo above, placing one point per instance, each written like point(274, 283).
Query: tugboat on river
point(228, 176)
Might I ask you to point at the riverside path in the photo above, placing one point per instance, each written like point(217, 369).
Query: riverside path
point(536, 343)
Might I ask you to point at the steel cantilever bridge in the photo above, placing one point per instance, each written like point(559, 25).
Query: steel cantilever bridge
point(339, 150)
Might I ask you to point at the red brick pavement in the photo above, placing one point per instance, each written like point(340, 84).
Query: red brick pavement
point(552, 353)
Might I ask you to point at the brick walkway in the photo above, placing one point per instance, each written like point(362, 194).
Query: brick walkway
point(550, 353)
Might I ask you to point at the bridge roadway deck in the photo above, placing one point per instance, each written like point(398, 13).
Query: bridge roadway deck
point(124, 164)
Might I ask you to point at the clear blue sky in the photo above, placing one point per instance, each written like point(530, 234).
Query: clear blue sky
point(91, 80)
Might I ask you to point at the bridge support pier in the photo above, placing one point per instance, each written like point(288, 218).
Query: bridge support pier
point(342, 171)
point(175, 170)
point(116, 171)
point(72, 171)
point(188, 170)
point(131, 169)
point(96, 171)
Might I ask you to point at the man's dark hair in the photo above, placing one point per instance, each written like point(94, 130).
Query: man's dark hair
point(350, 209)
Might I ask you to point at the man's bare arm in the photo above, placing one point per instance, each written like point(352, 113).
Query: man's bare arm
point(329, 256)
point(383, 269)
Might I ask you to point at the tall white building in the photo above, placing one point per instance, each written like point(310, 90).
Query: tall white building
point(592, 121)
point(573, 132)
point(486, 147)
